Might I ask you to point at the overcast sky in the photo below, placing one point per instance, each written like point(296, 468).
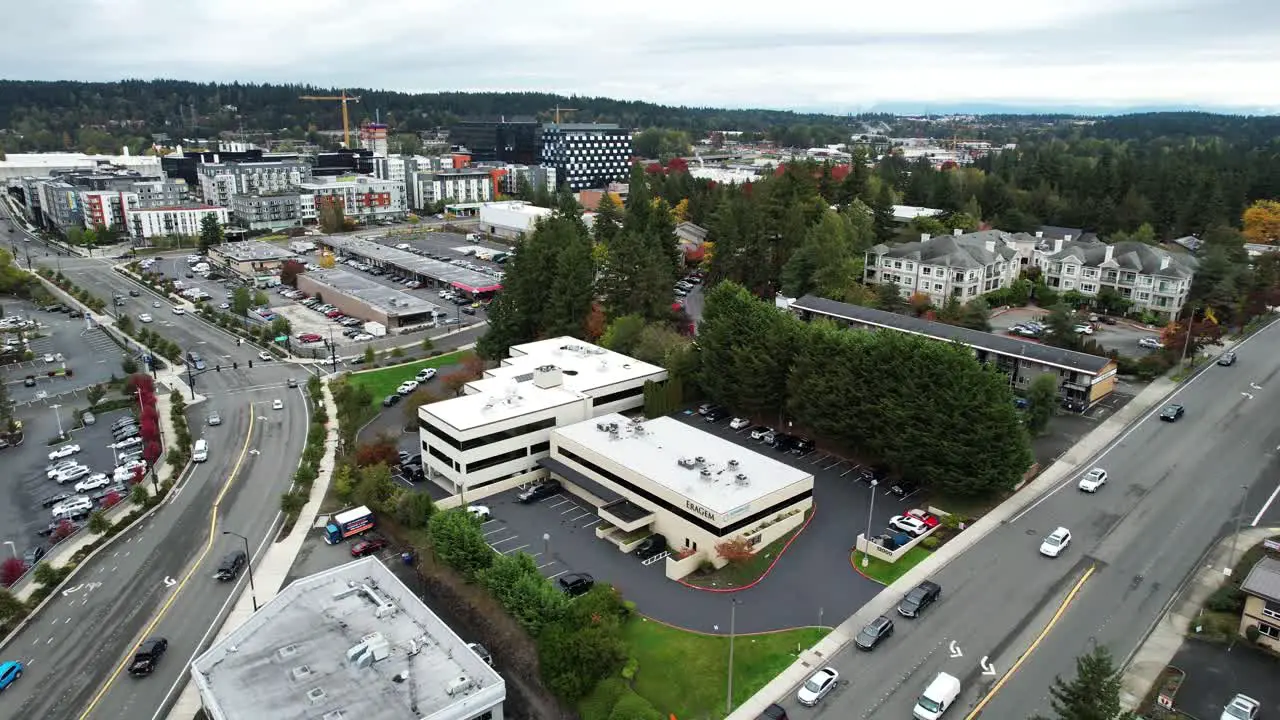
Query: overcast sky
point(811, 54)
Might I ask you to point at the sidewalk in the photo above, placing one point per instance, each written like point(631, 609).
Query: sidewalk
point(1070, 462)
point(273, 566)
point(1168, 631)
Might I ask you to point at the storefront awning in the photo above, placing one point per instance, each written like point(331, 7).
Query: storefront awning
point(577, 478)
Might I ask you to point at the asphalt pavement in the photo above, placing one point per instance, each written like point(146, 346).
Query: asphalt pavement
point(1003, 624)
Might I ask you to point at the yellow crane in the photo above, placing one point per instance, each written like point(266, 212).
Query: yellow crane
point(344, 98)
point(557, 110)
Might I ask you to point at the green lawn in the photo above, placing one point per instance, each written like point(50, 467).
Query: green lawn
point(687, 674)
point(384, 381)
point(886, 573)
point(736, 575)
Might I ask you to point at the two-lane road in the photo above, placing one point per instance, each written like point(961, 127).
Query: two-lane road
point(1002, 625)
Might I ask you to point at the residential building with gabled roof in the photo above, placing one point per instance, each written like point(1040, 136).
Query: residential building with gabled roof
point(1152, 278)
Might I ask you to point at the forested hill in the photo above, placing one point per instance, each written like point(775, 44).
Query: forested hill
point(49, 115)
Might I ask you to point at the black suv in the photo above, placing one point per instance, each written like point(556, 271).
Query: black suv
point(231, 565)
point(576, 584)
point(539, 491)
point(651, 547)
point(783, 442)
point(716, 414)
point(874, 632)
point(920, 597)
point(147, 656)
point(802, 447)
point(1171, 413)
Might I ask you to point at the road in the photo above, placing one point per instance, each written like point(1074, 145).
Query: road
point(1174, 489)
point(157, 579)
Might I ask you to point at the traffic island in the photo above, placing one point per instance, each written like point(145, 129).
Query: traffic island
point(886, 573)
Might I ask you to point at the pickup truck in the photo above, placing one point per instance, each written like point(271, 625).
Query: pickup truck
point(147, 656)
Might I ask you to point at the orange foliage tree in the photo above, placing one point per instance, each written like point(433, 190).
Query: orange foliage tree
point(735, 550)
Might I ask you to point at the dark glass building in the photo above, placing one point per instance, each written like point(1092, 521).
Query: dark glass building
point(517, 141)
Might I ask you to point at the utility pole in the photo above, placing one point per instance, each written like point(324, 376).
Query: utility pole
point(1186, 343)
point(866, 560)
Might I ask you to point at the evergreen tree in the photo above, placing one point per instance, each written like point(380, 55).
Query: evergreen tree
point(882, 208)
point(1094, 693)
point(573, 286)
point(210, 232)
point(608, 221)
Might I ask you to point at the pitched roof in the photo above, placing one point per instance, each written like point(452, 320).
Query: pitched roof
point(1053, 232)
point(1128, 255)
point(999, 344)
point(1264, 579)
point(959, 251)
point(689, 231)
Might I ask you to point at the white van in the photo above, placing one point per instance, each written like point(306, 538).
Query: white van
point(937, 698)
point(201, 451)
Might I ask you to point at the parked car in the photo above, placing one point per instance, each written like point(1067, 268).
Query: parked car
point(1150, 343)
point(908, 524)
point(64, 451)
point(539, 491)
point(651, 546)
point(1172, 413)
point(782, 442)
point(738, 423)
point(904, 488)
point(147, 657)
point(368, 547)
point(928, 518)
point(93, 482)
point(390, 400)
point(873, 633)
point(425, 374)
point(716, 415)
point(407, 387)
point(480, 512)
point(1241, 707)
point(758, 432)
point(919, 598)
point(33, 555)
point(817, 686)
point(71, 474)
point(705, 408)
point(128, 442)
point(576, 584)
point(1093, 480)
point(802, 447)
point(1056, 543)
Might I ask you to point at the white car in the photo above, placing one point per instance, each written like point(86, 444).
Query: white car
point(425, 374)
point(1241, 707)
point(264, 356)
point(760, 432)
point(48, 357)
point(479, 512)
point(738, 423)
point(277, 404)
point(1150, 343)
point(817, 686)
point(125, 472)
point(407, 387)
point(1057, 541)
point(126, 443)
point(63, 451)
point(1083, 329)
point(178, 311)
point(52, 471)
point(145, 317)
point(155, 303)
point(908, 524)
point(224, 306)
point(361, 337)
point(71, 473)
point(93, 482)
point(402, 246)
point(1095, 479)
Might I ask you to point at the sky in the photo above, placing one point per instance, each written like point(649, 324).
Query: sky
point(802, 54)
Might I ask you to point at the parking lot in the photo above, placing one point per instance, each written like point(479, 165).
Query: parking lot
point(61, 343)
point(1122, 337)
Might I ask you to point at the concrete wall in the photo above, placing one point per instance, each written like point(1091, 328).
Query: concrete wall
point(1253, 607)
point(475, 496)
point(889, 556)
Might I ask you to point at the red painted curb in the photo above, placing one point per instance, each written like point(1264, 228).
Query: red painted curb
point(767, 570)
point(854, 564)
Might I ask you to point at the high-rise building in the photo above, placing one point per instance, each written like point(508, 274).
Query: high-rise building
point(518, 140)
point(587, 155)
point(373, 137)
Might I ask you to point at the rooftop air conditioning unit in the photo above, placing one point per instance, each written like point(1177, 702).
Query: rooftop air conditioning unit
point(705, 473)
point(700, 460)
point(602, 426)
point(458, 685)
point(742, 479)
point(687, 463)
point(733, 464)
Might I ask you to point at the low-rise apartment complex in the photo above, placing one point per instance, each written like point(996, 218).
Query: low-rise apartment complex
point(961, 266)
point(1152, 279)
point(361, 198)
point(221, 181)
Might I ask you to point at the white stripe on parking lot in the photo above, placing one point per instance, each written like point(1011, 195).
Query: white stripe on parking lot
point(574, 508)
point(515, 549)
point(553, 577)
point(851, 469)
point(553, 562)
point(576, 519)
point(494, 532)
point(593, 522)
point(563, 500)
point(499, 542)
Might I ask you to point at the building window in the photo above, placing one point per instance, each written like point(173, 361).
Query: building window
point(486, 439)
point(1270, 631)
point(1270, 609)
point(498, 459)
point(540, 448)
point(615, 397)
point(435, 452)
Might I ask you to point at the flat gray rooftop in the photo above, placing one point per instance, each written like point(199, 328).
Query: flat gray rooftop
point(391, 301)
point(653, 450)
point(248, 250)
point(290, 659)
point(405, 260)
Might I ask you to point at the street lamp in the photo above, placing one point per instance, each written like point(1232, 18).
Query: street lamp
point(733, 615)
point(1235, 537)
point(248, 559)
point(12, 547)
point(546, 544)
point(870, 511)
point(58, 416)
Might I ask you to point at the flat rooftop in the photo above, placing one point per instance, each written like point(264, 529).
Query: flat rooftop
point(405, 260)
point(508, 391)
point(387, 299)
point(289, 659)
point(654, 448)
point(248, 250)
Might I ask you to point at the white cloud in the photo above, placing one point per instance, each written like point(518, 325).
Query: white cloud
point(805, 53)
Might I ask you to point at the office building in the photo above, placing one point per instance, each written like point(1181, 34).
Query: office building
point(362, 198)
point(220, 181)
point(18, 165)
point(359, 297)
point(500, 428)
point(349, 642)
point(518, 140)
point(587, 155)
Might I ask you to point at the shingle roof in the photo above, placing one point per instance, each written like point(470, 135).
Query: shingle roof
point(958, 251)
point(1054, 232)
point(1264, 579)
point(1128, 255)
point(1007, 346)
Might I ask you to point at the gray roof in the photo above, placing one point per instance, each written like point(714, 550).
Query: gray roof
point(1128, 255)
point(1190, 242)
point(1053, 232)
point(999, 344)
point(1264, 579)
point(959, 251)
point(690, 231)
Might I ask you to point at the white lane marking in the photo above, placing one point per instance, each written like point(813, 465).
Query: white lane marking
point(516, 549)
point(1265, 506)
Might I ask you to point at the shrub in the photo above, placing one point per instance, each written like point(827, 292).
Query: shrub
point(574, 658)
point(459, 543)
point(10, 570)
point(1226, 599)
point(930, 543)
point(1252, 633)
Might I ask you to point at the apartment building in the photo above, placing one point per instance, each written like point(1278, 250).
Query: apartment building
point(587, 155)
point(111, 208)
point(221, 181)
point(961, 266)
point(267, 212)
point(535, 176)
point(1151, 278)
point(463, 185)
point(179, 220)
point(362, 198)
point(501, 427)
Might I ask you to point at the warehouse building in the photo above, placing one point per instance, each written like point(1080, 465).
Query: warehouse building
point(350, 642)
point(360, 297)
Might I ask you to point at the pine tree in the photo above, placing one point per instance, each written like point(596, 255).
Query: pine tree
point(882, 209)
point(608, 221)
point(210, 232)
point(572, 289)
point(1094, 694)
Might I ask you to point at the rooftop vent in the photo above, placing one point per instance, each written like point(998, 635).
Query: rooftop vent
point(607, 426)
point(687, 463)
point(733, 464)
point(287, 651)
point(704, 472)
point(604, 365)
point(458, 685)
point(316, 695)
point(701, 460)
point(741, 479)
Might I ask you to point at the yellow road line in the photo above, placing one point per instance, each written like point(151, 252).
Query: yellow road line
point(213, 526)
point(1034, 644)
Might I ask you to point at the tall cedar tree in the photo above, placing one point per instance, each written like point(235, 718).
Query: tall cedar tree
point(882, 206)
point(747, 350)
point(1094, 693)
point(210, 232)
point(639, 262)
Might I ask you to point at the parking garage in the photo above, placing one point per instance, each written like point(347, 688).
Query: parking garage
point(363, 298)
point(435, 273)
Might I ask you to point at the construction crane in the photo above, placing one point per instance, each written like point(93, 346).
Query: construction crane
point(557, 110)
point(344, 98)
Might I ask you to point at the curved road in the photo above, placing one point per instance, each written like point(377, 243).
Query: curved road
point(156, 580)
point(1174, 489)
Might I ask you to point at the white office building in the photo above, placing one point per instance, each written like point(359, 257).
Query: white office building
point(501, 427)
point(694, 488)
point(510, 219)
point(350, 642)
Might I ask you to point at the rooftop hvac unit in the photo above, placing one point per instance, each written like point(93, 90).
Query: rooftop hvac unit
point(705, 473)
point(458, 685)
point(687, 463)
point(700, 460)
point(742, 479)
point(733, 464)
point(602, 426)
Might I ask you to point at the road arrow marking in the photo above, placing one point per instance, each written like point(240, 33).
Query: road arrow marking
point(1255, 386)
point(70, 590)
point(987, 667)
point(1247, 395)
point(170, 582)
point(92, 586)
point(955, 650)
point(254, 451)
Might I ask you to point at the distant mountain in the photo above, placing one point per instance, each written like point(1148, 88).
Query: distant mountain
point(997, 108)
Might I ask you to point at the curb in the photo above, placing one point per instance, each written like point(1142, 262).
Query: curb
point(854, 563)
point(767, 570)
point(673, 626)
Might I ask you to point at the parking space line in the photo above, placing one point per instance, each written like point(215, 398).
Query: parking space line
point(515, 549)
point(573, 508)
point(553, 577)
point(495, 532)
point(820, 458)
point(593, 522)
point(576, 519)
point(553, 562)
point(499, 542)
point(563, 500)
point(851, 469)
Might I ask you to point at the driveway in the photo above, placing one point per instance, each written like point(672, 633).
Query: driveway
point(1122, 337)
point(1067, 428)
point(1215, 673)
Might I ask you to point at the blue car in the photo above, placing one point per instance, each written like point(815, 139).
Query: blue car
point(9, 671)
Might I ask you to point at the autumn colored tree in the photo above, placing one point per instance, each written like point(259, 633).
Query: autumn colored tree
point(1203, 332)
point(381, 449)
point(64, 530)
point(139, 380)
point(150, 430)
point(111, 499)
point(473, 365)
point(290, 271)
point(1261, 221)
point(454, 381)
point(10, 570)
point(594, 325)
point(735, 550)
point(151, 453)
point(920, 304)
point(138, 473)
